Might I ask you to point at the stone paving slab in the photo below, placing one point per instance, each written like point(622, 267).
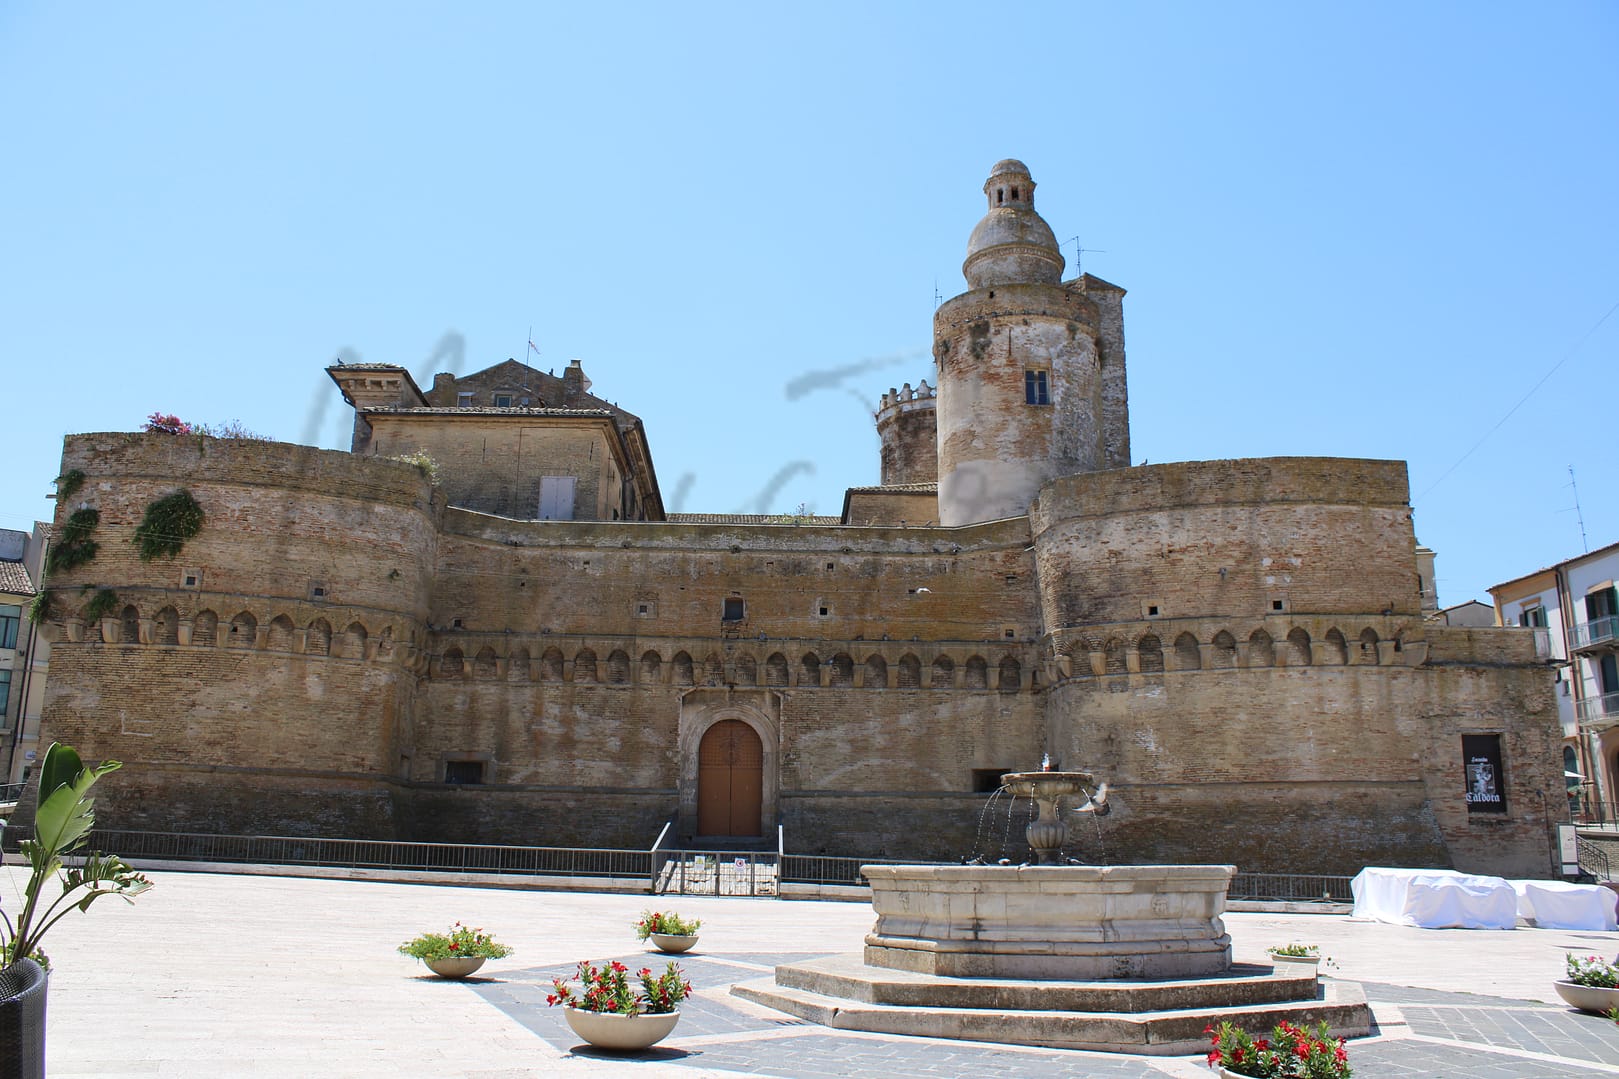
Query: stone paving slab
point(260, 976)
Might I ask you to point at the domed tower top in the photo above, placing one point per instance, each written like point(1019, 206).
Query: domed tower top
point(1012, 244)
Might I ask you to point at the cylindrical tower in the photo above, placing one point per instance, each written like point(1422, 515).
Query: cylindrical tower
point(1030, 370)
point(909, 435)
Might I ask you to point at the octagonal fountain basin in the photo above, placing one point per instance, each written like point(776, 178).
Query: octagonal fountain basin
point(1077, 923)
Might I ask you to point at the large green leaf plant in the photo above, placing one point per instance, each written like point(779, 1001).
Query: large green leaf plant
point(63, 817)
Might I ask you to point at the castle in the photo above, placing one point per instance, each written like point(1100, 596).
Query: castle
point(514, 642)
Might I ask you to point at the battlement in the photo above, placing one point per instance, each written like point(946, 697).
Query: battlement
point(905, 399)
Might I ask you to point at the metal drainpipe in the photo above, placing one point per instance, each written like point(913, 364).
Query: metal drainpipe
point(1594, 765)
point(21, 719)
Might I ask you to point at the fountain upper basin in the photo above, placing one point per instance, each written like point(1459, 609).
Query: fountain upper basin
point(1047, 784)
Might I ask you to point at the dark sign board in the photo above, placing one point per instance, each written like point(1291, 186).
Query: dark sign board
point(1484, 782)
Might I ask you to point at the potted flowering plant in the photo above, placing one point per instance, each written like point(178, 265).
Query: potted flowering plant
point(1592, 984)
point(457, 953)
point(1295, 958)
point(1291, 1052)
point(608, 1011)
point(669, 932)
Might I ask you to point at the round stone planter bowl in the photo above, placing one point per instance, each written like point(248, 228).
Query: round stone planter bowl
point(454, 966)
point(624, 1033)
point(1587, 998)
point(672, 943)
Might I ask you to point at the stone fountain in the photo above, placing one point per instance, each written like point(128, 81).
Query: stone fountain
point(1125, 958)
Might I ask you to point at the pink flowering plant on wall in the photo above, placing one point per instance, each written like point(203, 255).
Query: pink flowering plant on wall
point(609, 989)
point(160, 423)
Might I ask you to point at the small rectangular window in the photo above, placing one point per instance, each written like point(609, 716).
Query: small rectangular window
point(10, 616)
point(463, 400)
point(988, 780)
point(1035, 391)
point(503, 400)
point(825, 611)
point(733, 609)
point(463, 771)
point(1532, 616)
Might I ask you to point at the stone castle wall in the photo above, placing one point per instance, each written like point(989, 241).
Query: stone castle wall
point(580, 662)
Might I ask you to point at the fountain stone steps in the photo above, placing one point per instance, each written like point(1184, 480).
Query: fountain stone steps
point(847, 977)
point(1168, 1031)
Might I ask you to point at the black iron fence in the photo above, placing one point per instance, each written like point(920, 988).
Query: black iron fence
point(364, 853)
point(691, 872)
point(1290, 888)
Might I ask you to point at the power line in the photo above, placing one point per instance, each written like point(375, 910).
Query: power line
point(1521, 402)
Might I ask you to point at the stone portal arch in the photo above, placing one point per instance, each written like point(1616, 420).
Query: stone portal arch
point(729, 762)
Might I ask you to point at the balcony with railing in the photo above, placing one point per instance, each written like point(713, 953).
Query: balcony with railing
point(1603, 709)
point(1598, 633)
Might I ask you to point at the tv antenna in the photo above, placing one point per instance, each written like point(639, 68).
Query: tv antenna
point(937, 298)
point(1080, 251)
point(1579, 515)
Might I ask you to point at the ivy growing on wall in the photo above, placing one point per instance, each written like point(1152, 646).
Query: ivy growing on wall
point(101, 605)
point(68, 484)
point(73, 546)
point(39, 611)
point(169, 522)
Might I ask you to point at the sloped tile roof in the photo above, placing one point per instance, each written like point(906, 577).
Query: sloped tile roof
point(14, 579)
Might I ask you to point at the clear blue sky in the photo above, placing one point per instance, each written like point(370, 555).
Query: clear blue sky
point(1360, 229)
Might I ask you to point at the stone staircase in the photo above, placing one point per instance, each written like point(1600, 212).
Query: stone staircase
point(1156, 1018)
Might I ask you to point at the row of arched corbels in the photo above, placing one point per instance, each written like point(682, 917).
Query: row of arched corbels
point(243, 630)
point(805, 670)
point(1081, 655)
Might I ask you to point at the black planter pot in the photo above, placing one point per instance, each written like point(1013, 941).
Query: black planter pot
point(22, 1020)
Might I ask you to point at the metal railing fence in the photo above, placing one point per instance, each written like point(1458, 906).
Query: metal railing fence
point(1597, 631)
point(1291, 887)
point(364, 853)
point(1592, 709)
point(11, 792)
point(663, 870)
point(1590, 812)
point(1593, 860)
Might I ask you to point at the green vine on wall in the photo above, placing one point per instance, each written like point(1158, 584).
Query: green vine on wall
point(68, 484)
point(168, 523)
point(101, 605)
point(73, 546)
point(39, 611)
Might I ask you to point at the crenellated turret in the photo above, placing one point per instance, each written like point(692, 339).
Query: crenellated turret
point(909, 431)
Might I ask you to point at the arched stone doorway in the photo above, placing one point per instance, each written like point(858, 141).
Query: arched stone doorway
point(730, 780)
point(735, 764)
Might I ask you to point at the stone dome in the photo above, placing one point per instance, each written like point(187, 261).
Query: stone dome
point(1012, 244)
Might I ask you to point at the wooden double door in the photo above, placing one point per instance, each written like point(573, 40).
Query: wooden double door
point(730, 780)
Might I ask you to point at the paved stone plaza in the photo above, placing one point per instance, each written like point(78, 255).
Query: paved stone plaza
point(224, 974)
